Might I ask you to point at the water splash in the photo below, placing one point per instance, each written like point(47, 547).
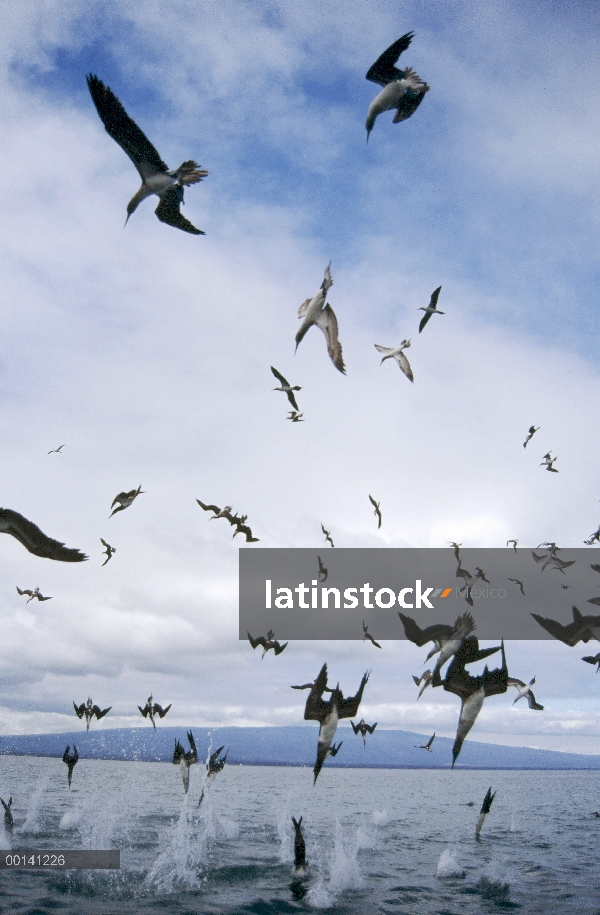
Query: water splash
point(71, 818)
point(513, 826)
point(344, 872)
point(32, 824)
point(380, 817)
point(448, 865)
point(495, 883)
point(184, 851)
point(284, 834)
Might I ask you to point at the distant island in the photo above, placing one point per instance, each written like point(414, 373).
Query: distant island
point(292, 746)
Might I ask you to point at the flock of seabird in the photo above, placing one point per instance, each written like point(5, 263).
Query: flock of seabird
point(402, 91)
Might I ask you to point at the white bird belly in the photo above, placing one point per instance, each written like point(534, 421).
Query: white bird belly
point(388, 98)
point(159, 183)
point(328, 728)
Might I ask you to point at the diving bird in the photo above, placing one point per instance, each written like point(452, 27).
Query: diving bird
point(427, 746)
point(514, 543)
point(363, 729)
point(125, 499)
point(519, 583)
point(242, 528)
point(153, 708)
point(295, 417)
point(218, 512)
point(444, 637)
point(286, 388)
point(524, 690)
point(531, 432)
point(328, 713)
point(300, 862)
point(57, 450)
point(425, 679)
point(582, 629)
point(315, 311)
point(185, 759)
point(553, 561)
point(403, 90)
point(327, 535)
point(322, 571)
point(8, 817)
point(431, 309)
point(32, 538)
point(397, 354)
point(89, 710)
point(267, 643)
point(548, 462)
point(471, 690)
point(157, 178)
point(108, 550)
point(35, 593)
point(469, 581)
point(593, 537)
point(485, 809)
point(367, 635)
point(593, 659)
point(214, 764)
point(70, 760)
point(377, 511)
point(457, 547)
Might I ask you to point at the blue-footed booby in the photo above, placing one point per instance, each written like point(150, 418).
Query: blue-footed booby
point(153, 708)
point(286, 387)
point(403, 90)
point(397, 354)
point(70, 759)
point(185, 759)
point(157, 178)
point(485, 809)
point(108, 550)
point(327, 535)
point(300, 862)
point(315, 311)
point(329, 713)
point(32, 538)
point(35, 593)
point(267, 642)
point(431, 309)
point(531, 432)
point(8, 817)
point(524, 690)
point(88, 710)
point(426, 746)
point(367, 635)
point(363, 729)
point(57, 450)
point(125, 499)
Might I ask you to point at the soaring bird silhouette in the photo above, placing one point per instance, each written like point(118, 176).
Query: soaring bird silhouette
point(125, 499)
point(518, 582)
point(286, 388)
point(35, 593)
point(363, 729)
point(397, 353)
point(70, 760)
point(315, 311)
point(185, 759)
point(402, 90)
point(108, 550)
point(531, 432)
point(57, 450)
point(431, 309)
point(582, 629)
point(267, 642)
point(514, 543)
point(327, 535)
point(32, 538)
point(524, 690)
point(593, 659)
point(427, 746)
point(157, 178)
point(367, 635)
point(322, 571)
point(377, 511)
point(88, 710)
point(153, 708)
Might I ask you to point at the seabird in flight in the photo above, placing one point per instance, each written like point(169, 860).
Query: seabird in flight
point(457, 547)
point(185, 759)
point(425, 678)
point(377, 511)
point(217, 512)
point(519, 583)
point(548, 462)
point(530, 434)
point(471, 690)
point(153, 708)
point(322, 571)
point(463, 626)
point(35, 593)
point(593, 537)
point(485, 809)
point(214, 764)
point(8, 817)
point(426, 746)
point(57, 450)
point(286, 388)
point(300, 862)
point(582, 629)
point(89, 710)
point(327, 535)
point(402, 90)
point(367, 635)
point(328, 714)
point(108, 550)
point(469, 581)
point(440, 634)
point(593, 659)
point(157, 178)
point(295, 417)
point(70, 760)
point(315, 311)
point(267, 643)
point(397, 354)
point(32, 538)
point(242, 528)
point(553, 561)
point(125, 499)
point(514, 543)
point(363, 729)
point(431, 309)
point(524, 690)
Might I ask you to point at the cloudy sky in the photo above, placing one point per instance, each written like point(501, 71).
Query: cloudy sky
point(147, 351)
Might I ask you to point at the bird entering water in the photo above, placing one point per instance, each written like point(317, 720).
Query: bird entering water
point(485, 809)
point(185, 759)
point(403, 90)
point(157, 178)
point(71, 761)
point(8, 817)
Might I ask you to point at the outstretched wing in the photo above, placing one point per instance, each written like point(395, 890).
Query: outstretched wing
point(315, 706)
point(34, 540)
point(355, 727)
point(161, 712)
point(279, 376)
point(168, 211)
point(404, 365)
point(209, 508)
point(327, 321)
point(278, 648)
point(383, 71)
point(100, 713)
point(570, 634)
point(371, 727)
point(260, 640)
point(121, 128)
point(144, 710)
point(79, 709)
point(347, 708)
point(190, 737)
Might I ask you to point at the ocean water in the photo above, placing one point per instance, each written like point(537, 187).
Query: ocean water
point(377, 841)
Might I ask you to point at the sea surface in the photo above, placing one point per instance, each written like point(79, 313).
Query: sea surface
point(377, 840)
